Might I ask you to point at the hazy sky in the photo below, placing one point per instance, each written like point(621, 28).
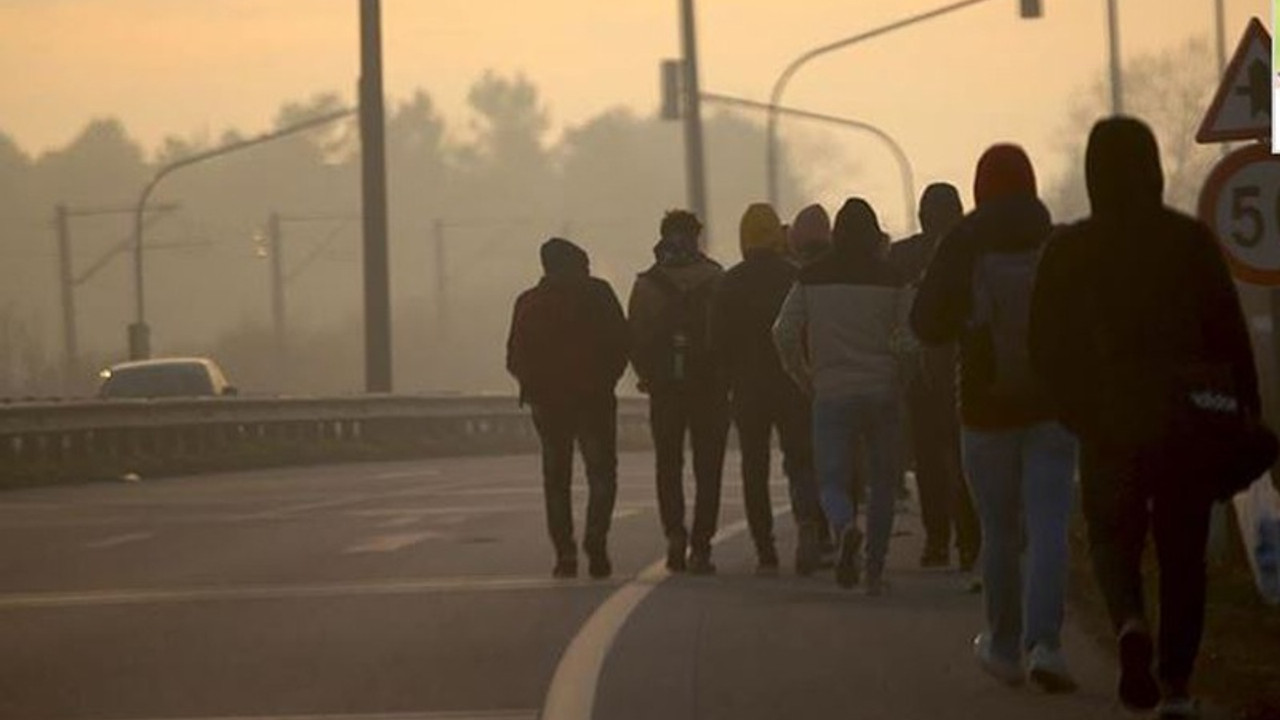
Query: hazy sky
point(945, 88)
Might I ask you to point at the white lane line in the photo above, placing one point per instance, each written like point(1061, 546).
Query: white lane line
point(391, 543)
point(118, 540)
point(572, 694)
point(626, 513)
point(408, 474)
point(403, 521)
point(427, 586)
point(462, 715)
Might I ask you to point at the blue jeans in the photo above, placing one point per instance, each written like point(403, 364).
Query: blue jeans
point(1022, 481)
point(874, 424)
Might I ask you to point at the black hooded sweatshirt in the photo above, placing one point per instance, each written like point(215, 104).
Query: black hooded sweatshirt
point(1145, 282)
point(943, 306)
point(568, 340)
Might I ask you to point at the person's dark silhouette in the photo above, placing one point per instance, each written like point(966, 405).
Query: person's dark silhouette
point(568, 348)
point(1020, 462)
point(834, 335)
point(945, 506)
point(669, 316)
point(763, 397)
point(1126, 300)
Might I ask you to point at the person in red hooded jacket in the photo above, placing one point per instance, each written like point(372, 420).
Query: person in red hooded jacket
point(568, 348)
point(1019, 459)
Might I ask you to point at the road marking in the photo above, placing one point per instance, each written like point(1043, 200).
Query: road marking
point(403, 521)
point(392, 543)
point(425, 586)
point(407, 474)
point(572, 694)
point(463, 715)
point(118, 540)
point(628, 512)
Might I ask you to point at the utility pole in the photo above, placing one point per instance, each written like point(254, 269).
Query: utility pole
point(1113, 41)
point(66, 284)
point(377, 290)
point(442, 292)
point(694, 156)
point(275, 251)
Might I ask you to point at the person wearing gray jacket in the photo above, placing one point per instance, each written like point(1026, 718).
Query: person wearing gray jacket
point(836, 336)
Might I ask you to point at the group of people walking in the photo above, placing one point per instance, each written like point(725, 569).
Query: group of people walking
point(1002, 346)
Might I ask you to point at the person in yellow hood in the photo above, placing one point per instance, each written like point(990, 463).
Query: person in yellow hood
point(762, 395)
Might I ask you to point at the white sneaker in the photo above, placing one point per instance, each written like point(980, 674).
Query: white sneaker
point(1048, 671)
point(1006, 671)
point(1179, 708)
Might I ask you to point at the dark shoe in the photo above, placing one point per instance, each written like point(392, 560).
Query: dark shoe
point(675, 555)
point(807, 550)
point(934, 557)
point(700, 563)
point(598, 565)
point(767, 560)
point(1138, 689)
point(968, 559)
point(848, 562)
point(566, 568)
point(876, 584)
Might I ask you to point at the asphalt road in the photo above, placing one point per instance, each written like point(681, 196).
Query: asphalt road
point(422, 591)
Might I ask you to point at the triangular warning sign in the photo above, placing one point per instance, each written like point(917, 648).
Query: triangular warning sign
point(1241, 108)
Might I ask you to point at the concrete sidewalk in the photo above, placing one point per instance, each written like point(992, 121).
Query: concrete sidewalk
point(741, 647)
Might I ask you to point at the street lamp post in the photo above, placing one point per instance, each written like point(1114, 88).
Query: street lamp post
point(904, 163)
point(373, 153)
point(1028, 9)
point(139, 331)
point(1113, 44)
point(695, 157)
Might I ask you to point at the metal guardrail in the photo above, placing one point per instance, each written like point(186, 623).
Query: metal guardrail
point(51, 441)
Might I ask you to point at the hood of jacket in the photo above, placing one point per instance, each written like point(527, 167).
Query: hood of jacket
point(1122, 169)
point(561, 258)
point(688, 271)
point(810, 232)
point(1003, 170)
point(760, 231)
point(940, 209)
point(857, 231)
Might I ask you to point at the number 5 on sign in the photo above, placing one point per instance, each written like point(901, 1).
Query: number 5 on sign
point(1241, 202)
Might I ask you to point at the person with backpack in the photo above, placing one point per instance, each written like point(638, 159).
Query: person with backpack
point(834, 336)
point(763, 396)
point(934, 425)
point(669, 314)
point(1132, 305)
point(1019, 460)
point(568, 348)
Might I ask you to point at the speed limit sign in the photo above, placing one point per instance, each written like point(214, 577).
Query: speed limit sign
point(1241, 202)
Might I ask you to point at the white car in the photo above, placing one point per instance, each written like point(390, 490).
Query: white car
point(164, 378)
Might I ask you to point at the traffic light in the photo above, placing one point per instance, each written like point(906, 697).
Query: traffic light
point(1031, 8)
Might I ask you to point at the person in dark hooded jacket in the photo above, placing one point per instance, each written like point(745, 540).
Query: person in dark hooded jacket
point(568, 348)
point(835, 335)
point(1124, 300)
point(762, 395)
point(669, 315)
point(934, 425)
point(1019, 460)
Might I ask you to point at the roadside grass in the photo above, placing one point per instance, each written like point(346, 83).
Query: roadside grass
point(1239, 663)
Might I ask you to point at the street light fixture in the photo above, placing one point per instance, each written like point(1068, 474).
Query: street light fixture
point(1027, 9)
point(139, 332)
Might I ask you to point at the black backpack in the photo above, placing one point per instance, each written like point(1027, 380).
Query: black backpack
point(682, 355)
